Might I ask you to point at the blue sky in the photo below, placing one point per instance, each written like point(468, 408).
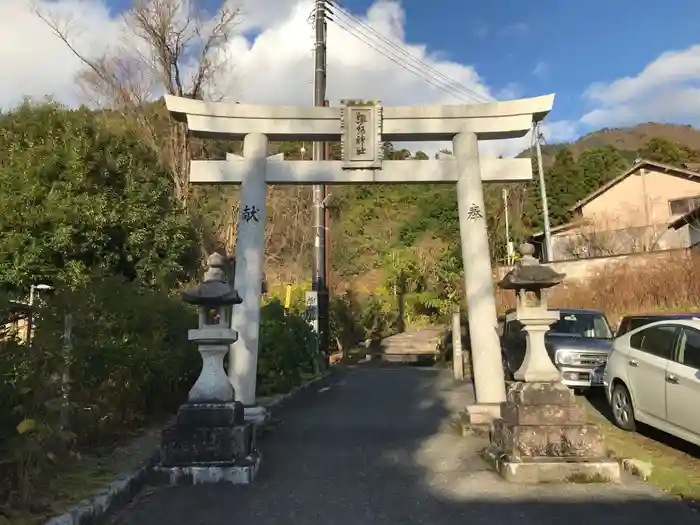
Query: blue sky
point(527, 48)
point(576, 42)
point(611, 63)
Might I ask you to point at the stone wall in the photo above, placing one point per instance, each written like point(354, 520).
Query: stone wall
point(590, 243)
point(582, 269)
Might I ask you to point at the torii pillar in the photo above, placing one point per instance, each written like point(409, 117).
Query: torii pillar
point(249, 272)
point(362, 126)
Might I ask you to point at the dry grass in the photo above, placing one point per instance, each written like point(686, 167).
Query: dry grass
point(81, 478)
point(676, 464)
point(669, 286)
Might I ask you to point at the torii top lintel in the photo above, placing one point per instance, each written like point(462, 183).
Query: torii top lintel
point(490, 121)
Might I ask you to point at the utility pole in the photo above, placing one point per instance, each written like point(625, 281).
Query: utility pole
point(543, 195)
point(509, 246)
point(327, 218)
point(319, 284)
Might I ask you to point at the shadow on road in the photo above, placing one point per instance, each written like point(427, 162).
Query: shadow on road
point(376, 448)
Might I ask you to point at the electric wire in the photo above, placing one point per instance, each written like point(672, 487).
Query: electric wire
point(370, 31)
point(396, 54)
point(408, 67)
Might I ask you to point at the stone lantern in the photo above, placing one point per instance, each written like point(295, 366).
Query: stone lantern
point(210, 440)
point(214, 298)
point(530, 280)
point(543, 435)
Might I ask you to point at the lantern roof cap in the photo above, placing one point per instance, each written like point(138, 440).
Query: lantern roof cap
point(215, 289)
point(529, 273)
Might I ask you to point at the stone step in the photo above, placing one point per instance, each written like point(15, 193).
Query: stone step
point(411, 342)
point(424, 341)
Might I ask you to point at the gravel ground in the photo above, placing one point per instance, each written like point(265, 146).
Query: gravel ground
point(377, 447)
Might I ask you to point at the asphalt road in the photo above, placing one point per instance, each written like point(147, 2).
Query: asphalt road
point(377, 448)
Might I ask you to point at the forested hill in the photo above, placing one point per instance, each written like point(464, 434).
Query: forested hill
point(375, 225)
point(82, 190)
point(627, 140)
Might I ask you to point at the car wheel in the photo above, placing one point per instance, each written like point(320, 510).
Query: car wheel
point(622, 409)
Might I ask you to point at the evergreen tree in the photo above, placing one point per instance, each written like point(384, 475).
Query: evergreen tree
point(600, 165)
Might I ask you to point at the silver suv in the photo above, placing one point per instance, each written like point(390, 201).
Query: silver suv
point(578, 344)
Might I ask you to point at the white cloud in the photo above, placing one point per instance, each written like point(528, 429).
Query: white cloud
point(481, 29)
point(512, 91)
point(540, 69)
point(254, 18)
point(514, 29)
point(561, 130)
point(666, 90)
point(35, 62)
point(271, 57)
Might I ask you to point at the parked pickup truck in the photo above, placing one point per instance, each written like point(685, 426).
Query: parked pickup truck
point(578, 344)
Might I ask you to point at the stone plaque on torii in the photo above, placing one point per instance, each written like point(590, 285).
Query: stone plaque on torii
point(362, 127)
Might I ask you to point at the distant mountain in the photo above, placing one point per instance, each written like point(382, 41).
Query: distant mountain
point(627, 140)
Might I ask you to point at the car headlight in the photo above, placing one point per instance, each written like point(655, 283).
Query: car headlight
point(565, 358)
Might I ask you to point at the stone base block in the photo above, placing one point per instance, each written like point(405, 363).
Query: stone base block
point(468, 429)
point(241, 473)
point(540, 394)
point(518, 442)
point(256, 414)
point(210, 415)
point(188, 446)
point(537, 415)
point(481, 414)
point(550, 470)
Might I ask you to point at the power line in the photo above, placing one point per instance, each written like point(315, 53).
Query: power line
point(373, 38)
point(399, 60)
point(405, 66)
point(353, 19)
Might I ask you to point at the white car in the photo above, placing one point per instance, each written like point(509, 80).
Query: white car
point(653, 376)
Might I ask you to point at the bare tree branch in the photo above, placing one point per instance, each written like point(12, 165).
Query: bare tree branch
point(162, 41)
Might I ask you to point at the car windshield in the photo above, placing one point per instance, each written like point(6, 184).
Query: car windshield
point(582, 324)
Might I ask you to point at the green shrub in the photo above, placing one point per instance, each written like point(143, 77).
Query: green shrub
point(346, 331)
point(286, 350)
point(129, 360)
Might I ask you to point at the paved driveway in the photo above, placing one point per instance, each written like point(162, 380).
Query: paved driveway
point(377, 448)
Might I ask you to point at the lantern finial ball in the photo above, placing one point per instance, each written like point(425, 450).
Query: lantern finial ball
point(526, 249)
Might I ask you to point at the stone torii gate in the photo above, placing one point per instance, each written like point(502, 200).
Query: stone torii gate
point(362, 127)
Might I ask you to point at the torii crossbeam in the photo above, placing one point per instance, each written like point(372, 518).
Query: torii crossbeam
point(362, 127)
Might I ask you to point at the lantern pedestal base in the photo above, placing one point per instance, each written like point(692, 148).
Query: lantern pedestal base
point(243, 474)
point(256, 414)
point(543, 437)
point(209, 442)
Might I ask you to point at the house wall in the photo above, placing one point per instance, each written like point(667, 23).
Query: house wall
point(694, 233)
point(594, 242)
point(630, 217)
point(691, 231)
point(20, 328)
point(642, 199)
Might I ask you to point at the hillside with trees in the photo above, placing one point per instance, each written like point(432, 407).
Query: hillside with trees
point(378, 233)
point(372, 223)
